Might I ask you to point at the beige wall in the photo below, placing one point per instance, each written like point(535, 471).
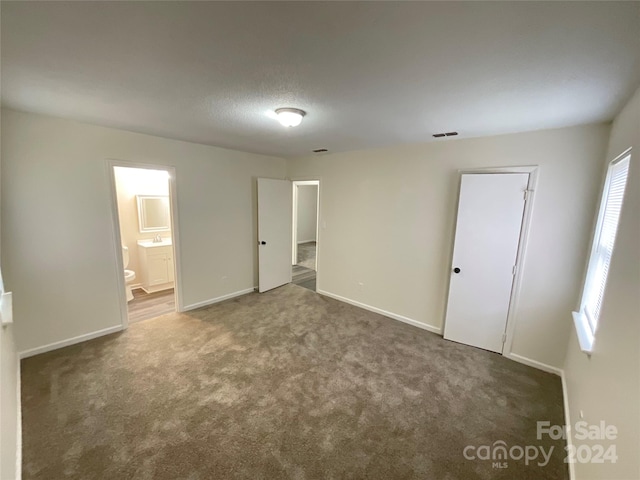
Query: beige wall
point(389, 215)
point(606, 385)
point(307, 213)
point(131, 182)
point(58, 247)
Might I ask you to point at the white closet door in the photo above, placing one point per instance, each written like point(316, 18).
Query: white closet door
point(490, 213)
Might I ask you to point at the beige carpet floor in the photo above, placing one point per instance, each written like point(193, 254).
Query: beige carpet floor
point(286, 384)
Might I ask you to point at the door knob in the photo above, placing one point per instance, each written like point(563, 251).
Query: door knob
point(456, 270)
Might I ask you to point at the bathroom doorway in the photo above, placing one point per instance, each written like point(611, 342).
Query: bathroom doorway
point(144, 217)
point(306, 195)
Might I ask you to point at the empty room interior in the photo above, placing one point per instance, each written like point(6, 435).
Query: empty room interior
point(320, 240)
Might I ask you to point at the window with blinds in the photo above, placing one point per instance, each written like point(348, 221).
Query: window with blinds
point(602, 251)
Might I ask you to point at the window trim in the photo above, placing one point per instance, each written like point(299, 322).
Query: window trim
point(584, 328)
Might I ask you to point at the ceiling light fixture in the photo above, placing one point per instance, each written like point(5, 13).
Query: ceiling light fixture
point(290, 117)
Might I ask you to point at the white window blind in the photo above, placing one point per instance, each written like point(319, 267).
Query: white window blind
point(603, 244)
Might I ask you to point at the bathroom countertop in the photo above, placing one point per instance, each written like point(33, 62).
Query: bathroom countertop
point(150, 243)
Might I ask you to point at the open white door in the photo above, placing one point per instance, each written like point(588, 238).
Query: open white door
point(274, 233)
point(488, 228)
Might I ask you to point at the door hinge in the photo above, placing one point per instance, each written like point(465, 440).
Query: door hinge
point(504, 337)
point(514, 270)
point(526, 194)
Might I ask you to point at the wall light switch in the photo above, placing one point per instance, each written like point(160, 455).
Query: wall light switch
point(6, 308)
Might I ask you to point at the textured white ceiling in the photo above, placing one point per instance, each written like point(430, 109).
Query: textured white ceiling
point(368, 74)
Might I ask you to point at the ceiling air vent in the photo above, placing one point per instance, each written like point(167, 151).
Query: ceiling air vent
point(448, 134)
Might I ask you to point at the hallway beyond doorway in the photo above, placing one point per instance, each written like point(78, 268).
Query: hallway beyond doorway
point(304, 277)
point(304, 271)
point(307, 255)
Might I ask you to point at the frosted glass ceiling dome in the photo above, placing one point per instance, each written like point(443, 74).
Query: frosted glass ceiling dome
point(290, 117)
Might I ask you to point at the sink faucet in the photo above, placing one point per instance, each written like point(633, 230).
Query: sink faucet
point(157, 239)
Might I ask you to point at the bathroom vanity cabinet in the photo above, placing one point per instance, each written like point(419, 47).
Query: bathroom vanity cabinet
point(156, 265)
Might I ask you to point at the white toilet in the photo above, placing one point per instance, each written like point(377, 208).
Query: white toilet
point(129, 275)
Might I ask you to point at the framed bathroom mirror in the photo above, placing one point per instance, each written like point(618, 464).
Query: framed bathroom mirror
point(153, 213)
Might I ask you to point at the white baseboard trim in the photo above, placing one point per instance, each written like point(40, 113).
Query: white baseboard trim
point(211, 301)
point(71, 341)
point(567, 422)
point(394, 316)
point(534, 363)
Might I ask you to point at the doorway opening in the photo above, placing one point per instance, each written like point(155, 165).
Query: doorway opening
point(145, 236)
point(304, 256)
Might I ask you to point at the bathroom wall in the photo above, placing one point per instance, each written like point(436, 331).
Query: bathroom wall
point(58, 245)
point(131, 182)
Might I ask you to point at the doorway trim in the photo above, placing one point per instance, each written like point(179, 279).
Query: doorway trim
point(117, 237)
point(510, 326)
point(295, 182)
